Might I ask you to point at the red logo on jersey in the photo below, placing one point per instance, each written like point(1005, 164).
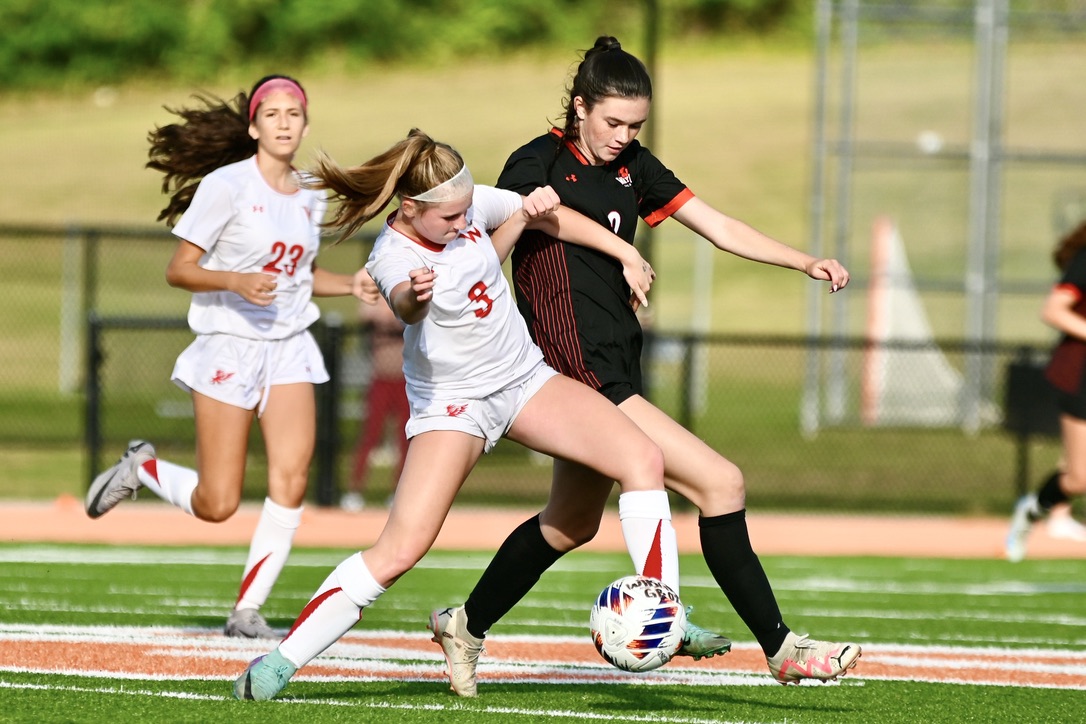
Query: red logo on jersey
point(258, 209)
point(471, 235)
point(308, 212)
point(219, 377)
point(455, 410)
point(624, 177)
point(572, 178)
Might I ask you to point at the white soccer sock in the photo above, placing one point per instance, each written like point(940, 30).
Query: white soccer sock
point(333, 611)
point(645, 516)
point(169, 481)
point(268, 553)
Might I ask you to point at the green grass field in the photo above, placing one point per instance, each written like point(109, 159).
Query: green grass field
point(944, 641)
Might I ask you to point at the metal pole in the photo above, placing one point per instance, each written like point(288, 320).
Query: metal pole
point(652, 43)
point(982, 256)
point(92, 404)
point(835, 395)
point(810, 405)
point(328, 444)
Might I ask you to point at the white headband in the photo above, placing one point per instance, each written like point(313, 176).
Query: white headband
point(457, 187)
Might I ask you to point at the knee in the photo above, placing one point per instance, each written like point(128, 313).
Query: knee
point(214, 509)
point(287, 489)
point(647, 464)
point(568, 538)
point(215, 513)
point(570, 534)
point(722, 492)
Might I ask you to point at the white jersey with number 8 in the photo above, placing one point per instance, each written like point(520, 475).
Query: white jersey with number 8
point(243, 225)
point(472, 342)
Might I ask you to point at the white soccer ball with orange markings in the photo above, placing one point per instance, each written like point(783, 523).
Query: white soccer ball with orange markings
point(637, 623)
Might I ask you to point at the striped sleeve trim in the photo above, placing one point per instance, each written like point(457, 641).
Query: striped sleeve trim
point(1071, 289)
point(656, 217)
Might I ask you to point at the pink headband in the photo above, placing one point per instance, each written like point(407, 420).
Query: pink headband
point(271, 86)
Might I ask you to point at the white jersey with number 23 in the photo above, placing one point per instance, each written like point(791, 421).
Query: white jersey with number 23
point(243, 225)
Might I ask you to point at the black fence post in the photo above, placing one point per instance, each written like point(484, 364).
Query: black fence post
point(92, 431)
point(686, 403)
point(1030, 409)
point(328, 443)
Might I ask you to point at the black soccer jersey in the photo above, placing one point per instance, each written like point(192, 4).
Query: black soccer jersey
point(575, 300)
point(1067, 368)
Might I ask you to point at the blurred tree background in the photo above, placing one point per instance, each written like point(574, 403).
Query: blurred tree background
point(64, 42)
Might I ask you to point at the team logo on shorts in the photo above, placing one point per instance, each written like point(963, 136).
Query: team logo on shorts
point(220, 376)
point(624, 177)
point(455, 410)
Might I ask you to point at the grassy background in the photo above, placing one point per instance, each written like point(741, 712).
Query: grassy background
point(732, 119)
point(974, 605)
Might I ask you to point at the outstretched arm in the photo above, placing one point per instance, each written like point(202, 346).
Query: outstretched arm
point(542, 211)
point(331, 284)
point(745, 241)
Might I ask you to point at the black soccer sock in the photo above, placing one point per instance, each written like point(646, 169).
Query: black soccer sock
point(1051, 494)
point(725, 544)
point(516, 567)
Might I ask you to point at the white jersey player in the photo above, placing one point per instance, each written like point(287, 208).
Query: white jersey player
point(473, 376)
point(471, 342)
point(249, 233)
point(244, 225)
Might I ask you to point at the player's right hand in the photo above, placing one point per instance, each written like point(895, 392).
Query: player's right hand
point(256, 288)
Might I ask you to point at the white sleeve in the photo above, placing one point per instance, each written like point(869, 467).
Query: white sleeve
point(390, 265)
point(492, 207)
point(211, 209)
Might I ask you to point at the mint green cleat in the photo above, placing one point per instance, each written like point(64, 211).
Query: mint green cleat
point(701, 644)
point(264, 677)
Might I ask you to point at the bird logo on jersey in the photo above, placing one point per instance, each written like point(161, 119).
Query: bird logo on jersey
point(624, 177)
point(455, 410)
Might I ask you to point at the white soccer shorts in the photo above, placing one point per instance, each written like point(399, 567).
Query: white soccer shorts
point(489, 418)
point(239, 371)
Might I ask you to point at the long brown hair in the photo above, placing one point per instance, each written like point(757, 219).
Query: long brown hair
point(607, 71)
point(1070, 245)
point(209, 136)
point(411, 167)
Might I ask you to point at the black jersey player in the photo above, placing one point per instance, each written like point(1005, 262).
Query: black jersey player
point(578, 310)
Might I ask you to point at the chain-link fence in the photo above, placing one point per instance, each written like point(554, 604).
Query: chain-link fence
point(741, 395)
point(66, 388)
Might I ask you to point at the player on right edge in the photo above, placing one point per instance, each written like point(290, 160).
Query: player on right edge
point(576, 305)
point(1065, 311)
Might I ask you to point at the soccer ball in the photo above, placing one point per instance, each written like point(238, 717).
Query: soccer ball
point(638, 623)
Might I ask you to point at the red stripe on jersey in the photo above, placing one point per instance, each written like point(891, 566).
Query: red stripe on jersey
point(249, 578)
point(656, 217)
point(543, 278)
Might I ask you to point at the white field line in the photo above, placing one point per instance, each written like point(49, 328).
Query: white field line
point(531, 714)
point(383, 654)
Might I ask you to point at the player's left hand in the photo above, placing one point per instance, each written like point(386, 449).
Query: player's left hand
point(364, 288)
point(639, 274)
point(829, 270)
